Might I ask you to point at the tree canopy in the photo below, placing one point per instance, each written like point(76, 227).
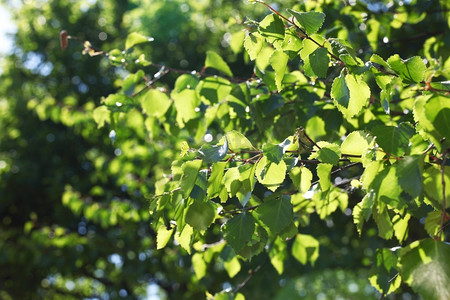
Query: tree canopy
point(225, 149)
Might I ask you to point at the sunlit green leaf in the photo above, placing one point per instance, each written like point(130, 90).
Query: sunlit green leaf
point(279, 61)
point(270, 174)
point(155, 103)
point(410, 71)
point(163, 236)
point(135, 38)
point(350, 93)
point(213, 60)
point(312, 20)
point(323, 171)
point(305, 248)
point(253, 43)
point(237, 141)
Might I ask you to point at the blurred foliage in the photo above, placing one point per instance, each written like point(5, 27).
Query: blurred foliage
point(74, 195)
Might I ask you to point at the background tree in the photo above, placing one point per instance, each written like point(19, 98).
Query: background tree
point(87, 143)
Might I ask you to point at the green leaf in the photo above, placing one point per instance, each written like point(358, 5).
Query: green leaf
point(185, 238)
point(200, 215)
point(384, 271)
point(409, 173)
point(433, 223)
point(401, 227)
point(190, 174)
point(101, 115)
point(301, 177)
point(432, 185)
point(185, 81)
point(237, 141)
point(363, 210)
point(213, 60)
point(274, 153)
point(155, 103)
point(239, 230)
point(270, 174)
point(324, 171)
point(215, 180)
point(135, 38)
point(276, 213)
point(199, 265)
point(437, 109)
point(394, 139)
point(278, 255)
point(278, 60)
point(425, 266)
point(186, 103)
point(350, 93)
point(272, 28)
point(212, 154)
point(356, 143)
point(305, 248)
point(312, 20)
point(443, 85)
point(253, 44)
point(231, 181)
point(384, 224)
point(317, 63)
point(237, 41)
point(410, 71)
point(328, 202)
point(328, 153)
point(163, 236)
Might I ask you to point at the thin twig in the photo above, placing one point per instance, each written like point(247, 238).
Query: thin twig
point(444, 204)
point(251, 273)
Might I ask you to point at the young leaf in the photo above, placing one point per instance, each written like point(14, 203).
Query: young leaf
point(437, 109)
point(305, 248)
point(350, 93)
point(185, 103)
point(311, 20)
point(214, 61)
point(276, 213)
point(239, 230)
point(426, 268)
point(135, 38)
point(410, 71)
